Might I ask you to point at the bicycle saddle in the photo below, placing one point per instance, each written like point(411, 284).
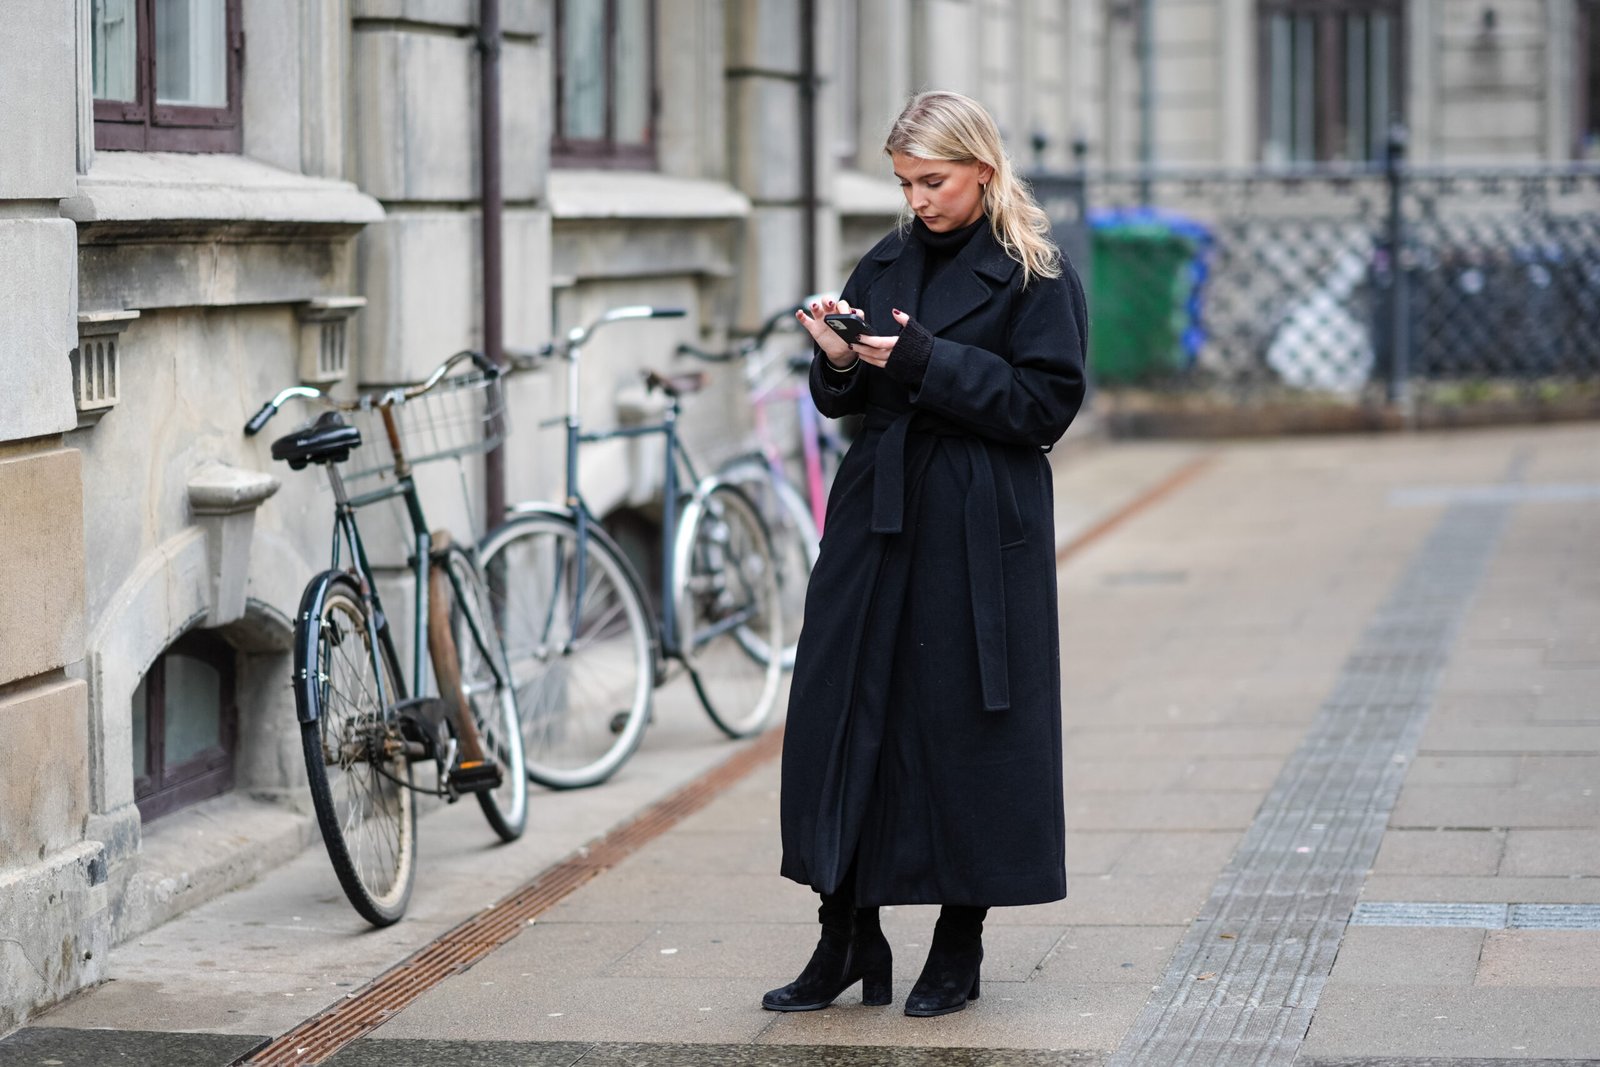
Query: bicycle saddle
point(676, 384)
point(327, 440)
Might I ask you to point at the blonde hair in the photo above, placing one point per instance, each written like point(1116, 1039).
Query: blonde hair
point(955, 128)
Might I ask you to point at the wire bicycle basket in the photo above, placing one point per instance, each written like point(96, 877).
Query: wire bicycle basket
point(462, 415)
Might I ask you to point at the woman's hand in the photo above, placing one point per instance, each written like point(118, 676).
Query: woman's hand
point(839, 354)
point(876, 349)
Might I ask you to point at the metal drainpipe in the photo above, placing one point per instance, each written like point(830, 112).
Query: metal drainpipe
point(494, 462)
point(1147, 94)
point(808, 144)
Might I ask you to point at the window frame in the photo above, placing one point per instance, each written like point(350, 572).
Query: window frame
point(142, 125)
point(605, 152)
point(1330, 122)
point(158, 789)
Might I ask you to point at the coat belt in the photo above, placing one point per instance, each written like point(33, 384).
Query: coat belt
point(985, 574)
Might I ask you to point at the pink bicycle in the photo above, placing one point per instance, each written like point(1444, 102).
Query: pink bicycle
point(788, 485)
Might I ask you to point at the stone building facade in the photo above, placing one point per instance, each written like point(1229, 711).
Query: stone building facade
point(319, 221)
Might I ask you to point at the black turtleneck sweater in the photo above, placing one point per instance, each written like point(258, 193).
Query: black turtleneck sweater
point(940, 249)
point(909, 360)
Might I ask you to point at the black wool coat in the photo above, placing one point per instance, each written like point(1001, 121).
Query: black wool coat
point(924, 729)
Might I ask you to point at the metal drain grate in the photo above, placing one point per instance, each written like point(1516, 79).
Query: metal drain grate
point(1479, 916)
point(392, 992)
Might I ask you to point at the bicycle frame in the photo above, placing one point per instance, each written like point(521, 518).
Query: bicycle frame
point(582, 517)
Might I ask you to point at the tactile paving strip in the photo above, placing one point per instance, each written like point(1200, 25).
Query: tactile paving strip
point(1242, 986)
point(1479, 916)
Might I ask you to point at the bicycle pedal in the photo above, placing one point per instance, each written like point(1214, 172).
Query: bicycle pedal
point(479, 776)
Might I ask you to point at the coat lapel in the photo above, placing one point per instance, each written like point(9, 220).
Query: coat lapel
point(980, 268)
point(897, 286)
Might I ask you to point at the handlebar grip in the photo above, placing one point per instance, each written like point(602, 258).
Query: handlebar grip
point(667, 313)
point(259, 419)
point(686, 349)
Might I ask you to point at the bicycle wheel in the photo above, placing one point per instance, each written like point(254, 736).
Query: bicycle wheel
point(580, 655)
point(360, 778)
point(486, 688)
point(794, 538)
point(729, 615)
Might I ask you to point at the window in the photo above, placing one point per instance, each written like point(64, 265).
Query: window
point(166, 74)
point(605, 83)
point(184, 722)
point(1330, 79)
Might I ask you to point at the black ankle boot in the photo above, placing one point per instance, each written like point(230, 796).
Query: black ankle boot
point(950, 977)
point(852, 949)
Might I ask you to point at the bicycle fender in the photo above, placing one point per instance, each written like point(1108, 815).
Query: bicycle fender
point(305, 639)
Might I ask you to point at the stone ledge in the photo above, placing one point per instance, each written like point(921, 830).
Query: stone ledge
point(135, 194)
point(203, 851)
point(612, 194)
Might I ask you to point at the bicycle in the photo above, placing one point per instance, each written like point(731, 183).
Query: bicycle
point(360, 732)
point(794, 518)
point(586, 654)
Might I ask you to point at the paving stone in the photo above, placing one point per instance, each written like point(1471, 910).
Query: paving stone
point(1094, 852)
point(1489, 806)
point(1164, 811)
point(1468, 852)
point(1229, 741)
point(686, 898)
point(1121, 776)
point(1202, 854)
point(1431, 769)
point(1111, 954)
point(1552, 853)
point(1398, 1021)
point(1543, 958)
point(1116, 900)
point(585, 1009)
point(1404, 955)
point(1444, 736)
point(35, 1045)
point(1568, 774)
point(1250, 775)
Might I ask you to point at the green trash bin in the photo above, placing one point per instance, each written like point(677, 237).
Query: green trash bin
point(1141, 282)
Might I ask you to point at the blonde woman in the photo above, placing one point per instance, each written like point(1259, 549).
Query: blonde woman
point(922, 760)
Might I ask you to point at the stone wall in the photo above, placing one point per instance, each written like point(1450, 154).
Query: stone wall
point(53, 925)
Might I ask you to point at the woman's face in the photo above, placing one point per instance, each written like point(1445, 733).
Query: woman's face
point(944, 195)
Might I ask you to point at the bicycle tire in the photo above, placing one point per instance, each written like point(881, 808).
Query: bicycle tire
point(795, 542)
point(366, 809)
point(584, 685)
point(730, 622)
point(487, 691)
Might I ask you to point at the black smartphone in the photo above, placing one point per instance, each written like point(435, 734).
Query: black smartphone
point(848, 326)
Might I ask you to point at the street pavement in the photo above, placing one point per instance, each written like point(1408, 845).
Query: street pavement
point(1332, 730)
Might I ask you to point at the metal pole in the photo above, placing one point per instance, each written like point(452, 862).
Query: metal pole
point(1399, 295)
point(808, 145)
point(494, 464)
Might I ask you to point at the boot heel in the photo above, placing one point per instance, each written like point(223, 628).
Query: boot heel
point(973, 993)
point(876, 990)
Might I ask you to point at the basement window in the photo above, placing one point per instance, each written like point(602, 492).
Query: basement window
point(185, 719)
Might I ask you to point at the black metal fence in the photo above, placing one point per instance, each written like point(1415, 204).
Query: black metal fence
point(1283, 287)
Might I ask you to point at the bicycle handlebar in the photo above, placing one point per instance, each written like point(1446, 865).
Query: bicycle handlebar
point(398, 394)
